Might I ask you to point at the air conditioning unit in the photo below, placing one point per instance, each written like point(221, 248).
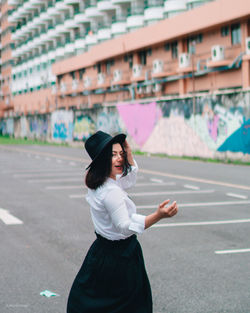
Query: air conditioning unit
point(87, 81)
point(74, 84)
point(100, 78)
point(184, 60)
point(157, 88)
point(137, 70)
point(217, 53)
point(140, 90)
point(248, 45)
point(117, 75)
point(157, 66)
point(63, 87)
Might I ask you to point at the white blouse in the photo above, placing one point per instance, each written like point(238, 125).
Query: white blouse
point(112, 211)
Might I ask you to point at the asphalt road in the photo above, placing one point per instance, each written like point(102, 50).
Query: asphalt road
point(197, 262)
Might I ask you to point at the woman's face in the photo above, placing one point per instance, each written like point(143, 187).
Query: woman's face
point(117, 160)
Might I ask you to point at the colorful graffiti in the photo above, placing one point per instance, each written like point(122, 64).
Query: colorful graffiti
point(62, 125)
point(83, 127)
point(139, 119)
point(175, 127)
point(109, 122)
point(239, 141)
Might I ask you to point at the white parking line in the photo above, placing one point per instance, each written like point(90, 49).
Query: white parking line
point(235, 195)
point(247, 220)
point(156, 180)
point(65, 187)
point(55, 180)
point(196, 204)
point(83, 186)
point(154, 184)
point(9, 219)
point(154, 193)
point(191, 187)
point(231, 251)
point(61, 173)
point(174, 192)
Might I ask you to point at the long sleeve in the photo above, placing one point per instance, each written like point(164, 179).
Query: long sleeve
point(115, 204)
point(130, 179)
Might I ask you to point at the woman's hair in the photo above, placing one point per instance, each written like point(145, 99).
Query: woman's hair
point(101, 168)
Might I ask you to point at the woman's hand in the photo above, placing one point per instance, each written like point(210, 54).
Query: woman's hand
point(129, 153)
point(168, 211)
point(161, 212)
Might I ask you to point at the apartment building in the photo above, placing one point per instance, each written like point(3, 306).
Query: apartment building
point(38, 34)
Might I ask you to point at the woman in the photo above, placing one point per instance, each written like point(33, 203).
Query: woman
point(113, 278)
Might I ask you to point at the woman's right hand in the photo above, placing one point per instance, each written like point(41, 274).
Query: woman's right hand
point(167, 211)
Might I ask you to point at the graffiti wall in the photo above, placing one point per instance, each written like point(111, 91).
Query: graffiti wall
point(62, 125)
point(176, 127)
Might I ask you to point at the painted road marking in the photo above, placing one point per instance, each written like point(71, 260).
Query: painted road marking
point(80, 186)
point(69, 170)
point(65, 187)
point(235, 195)
point(139, 194)
point(191, 187)
point(196, 179)
point(9, 219)
point(55, 180)
point(174, 192)
point(247, 220)
point(59, 161)
point(156, 180)
point(231, 251)
point(155, 173)
point(46, 174)
point(197, 204)
point(54, 155)
point(154, 184)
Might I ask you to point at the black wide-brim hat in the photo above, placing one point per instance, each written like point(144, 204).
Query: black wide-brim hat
point(96, 143)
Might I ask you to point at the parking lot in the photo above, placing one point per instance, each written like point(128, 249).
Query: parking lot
point(197, 261)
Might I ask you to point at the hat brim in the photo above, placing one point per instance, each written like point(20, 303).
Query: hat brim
point(120, 138)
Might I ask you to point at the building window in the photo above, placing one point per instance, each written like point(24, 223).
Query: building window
point(174, 49)
point(143, 57)
point(235, 34)
point(167, 46)
point(224, 31)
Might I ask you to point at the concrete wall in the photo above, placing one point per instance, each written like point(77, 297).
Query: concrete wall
point(175, 127)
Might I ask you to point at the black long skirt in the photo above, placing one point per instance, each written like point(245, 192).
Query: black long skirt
point(112, 279)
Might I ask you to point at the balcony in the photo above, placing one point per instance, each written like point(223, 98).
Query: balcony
point(81, 18)
point(61, 6)
point(135, 21)
point(70, 23)
point(60, 29)
point(135, 17)
point(53, 12)
point(153, 14)
point(105, 5)
point(104, 34)
point(72, 1)
point(79, 45)
point(45, 17)
point(13, 2)
point(174, 7)
point(92, 12)
point(91, 39)
point(191, 4)
point(121, 1)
